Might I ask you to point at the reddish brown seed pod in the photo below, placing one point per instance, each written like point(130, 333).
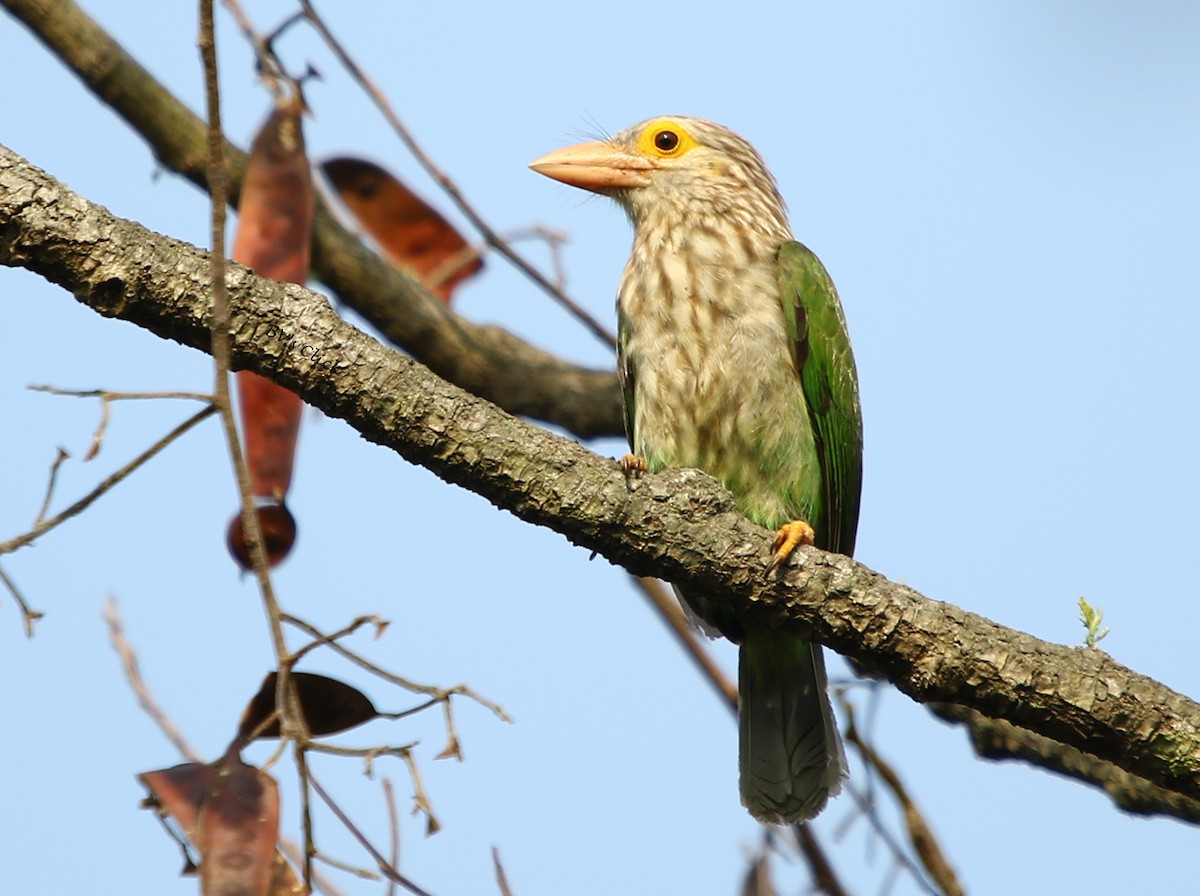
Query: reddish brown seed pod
point(278, 529)
point(412, 234)
point(273, 238)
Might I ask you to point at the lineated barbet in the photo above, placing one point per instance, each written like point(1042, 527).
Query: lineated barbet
point(734, 359)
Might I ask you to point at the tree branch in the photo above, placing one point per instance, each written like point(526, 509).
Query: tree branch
point(485, 360)
point(680, 525)
point(997, 739)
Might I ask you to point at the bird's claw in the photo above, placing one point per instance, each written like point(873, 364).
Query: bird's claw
point(789, 535)
point(632, 468)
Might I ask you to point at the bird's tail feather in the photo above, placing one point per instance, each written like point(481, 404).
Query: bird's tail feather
point(791, 756)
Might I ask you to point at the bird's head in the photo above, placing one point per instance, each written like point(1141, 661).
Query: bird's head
point(686, 169)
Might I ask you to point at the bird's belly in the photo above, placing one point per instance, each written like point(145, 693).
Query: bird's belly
point(732, 406)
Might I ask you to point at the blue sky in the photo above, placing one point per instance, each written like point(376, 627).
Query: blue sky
point(1005, 195)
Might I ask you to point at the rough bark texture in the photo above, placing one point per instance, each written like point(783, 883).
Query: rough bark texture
point(680, 525)
point(999, 740)
point(485, 360)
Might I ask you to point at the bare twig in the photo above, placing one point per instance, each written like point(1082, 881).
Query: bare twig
point(757, 881)
point(920, 835)
point(900, 859)
point(320, 882)
point(59, 457)
point(999, 740)
point(367, 754)
point(825, 879)
point(389, 797)
point(290, 722)
point(320, 640)
point(668, 609)
point(146, 701)
point(7, 547)
point(306, 823)
point(453, 749)
point(291, 719)
point(438, 694)
point(554, 240)
point(490, 236)
point(385, 868)
point(110, 395)
point(501, 877)
point(270, 67)
point(28, 616)
point(364, 873)
point(106, 398)
point(101, 429)
point(421, 802)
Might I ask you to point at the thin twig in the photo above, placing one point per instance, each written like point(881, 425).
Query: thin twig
point(291, 719)
point(825, 879)
point(368, 754)
point(218, 190)
point(310, 845)
point(109, 395)
point(439, 694)
point(101, 430)
point(106, 398)
point(270, 68)
point(920, 835)
point(58, 462)
point(899, 857)
point(28, 616)
point(501, 877)
point(453, 749)
point(490, 236)
point(389, 797)
point(420, 799)
point(386, 869)
point(146, 701)
point(364, 873)
point(7, 547)
point(320, 882)
point(553, 239)
point(668, 609)
point(347, 630)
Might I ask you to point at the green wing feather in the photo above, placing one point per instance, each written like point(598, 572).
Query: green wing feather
point(827, 375)
point(625, 374)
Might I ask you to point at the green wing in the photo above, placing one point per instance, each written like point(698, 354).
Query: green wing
point(626, 375)
point(827, 375)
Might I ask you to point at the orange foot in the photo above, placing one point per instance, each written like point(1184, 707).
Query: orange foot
point(786, 539)
point(632, 467)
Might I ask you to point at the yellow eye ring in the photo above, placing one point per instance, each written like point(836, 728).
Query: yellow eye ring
point(665, 138)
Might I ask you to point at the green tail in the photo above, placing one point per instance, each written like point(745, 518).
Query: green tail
point(790, 756)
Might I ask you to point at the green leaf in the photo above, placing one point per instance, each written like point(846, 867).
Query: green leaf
point(1091, 617)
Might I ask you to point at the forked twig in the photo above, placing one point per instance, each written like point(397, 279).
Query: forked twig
point(438, 694)
point(7, 547)
point(28, 615)
point(59, 457)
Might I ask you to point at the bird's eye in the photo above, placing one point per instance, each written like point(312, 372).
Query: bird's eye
point(666, 141)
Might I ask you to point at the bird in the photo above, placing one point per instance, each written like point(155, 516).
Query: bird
point(734, 359)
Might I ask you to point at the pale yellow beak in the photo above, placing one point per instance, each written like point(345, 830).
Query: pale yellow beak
point(596, 166)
